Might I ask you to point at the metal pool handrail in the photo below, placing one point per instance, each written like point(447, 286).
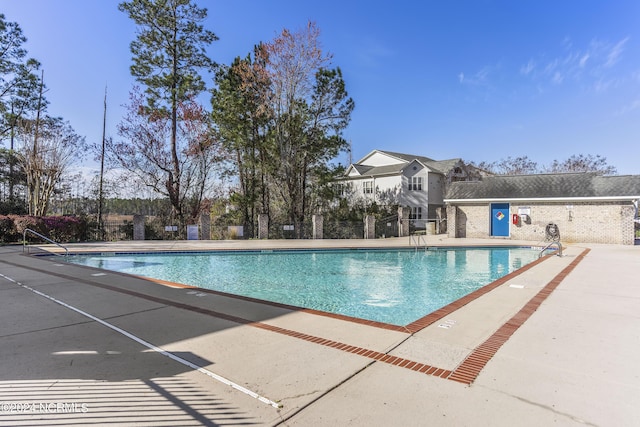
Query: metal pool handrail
point(24, 241)
point(416, 238)
point(548, 246)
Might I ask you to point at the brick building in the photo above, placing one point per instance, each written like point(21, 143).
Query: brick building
point(586, 207)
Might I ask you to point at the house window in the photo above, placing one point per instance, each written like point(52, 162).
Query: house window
point(340, 189)
point(367, 187)
point(415, 184)
point(416, 212)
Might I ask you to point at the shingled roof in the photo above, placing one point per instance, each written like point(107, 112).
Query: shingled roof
point(438, 166)
point(441, 166)
point(379, 170)
point(582, 185)
point(407, 157)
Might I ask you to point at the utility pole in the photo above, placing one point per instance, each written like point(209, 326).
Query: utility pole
point(100, 194)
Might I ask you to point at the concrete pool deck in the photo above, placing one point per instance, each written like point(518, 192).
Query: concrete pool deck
point(556, 343)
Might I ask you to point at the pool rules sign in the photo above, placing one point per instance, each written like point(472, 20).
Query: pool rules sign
point(192, 232)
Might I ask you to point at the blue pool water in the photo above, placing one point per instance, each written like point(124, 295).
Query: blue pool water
point(390, 286)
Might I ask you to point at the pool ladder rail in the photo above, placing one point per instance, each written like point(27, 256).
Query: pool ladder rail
point(558, 252)
point(417, 238)
point(25, 247)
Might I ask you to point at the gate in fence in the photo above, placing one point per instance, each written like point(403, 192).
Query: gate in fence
point(387, 227)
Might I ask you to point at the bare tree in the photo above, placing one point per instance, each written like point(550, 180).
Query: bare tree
point(582, 163)
point(311, 108)
point(525, 166)
point(47, 161)
point(510, 166)
point(195, 164)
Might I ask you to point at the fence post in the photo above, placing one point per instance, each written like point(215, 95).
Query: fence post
point(403, 221)
point(318, 224)
point(369, 227)
point(138, 227)
point(205, 226)
point(263, 226)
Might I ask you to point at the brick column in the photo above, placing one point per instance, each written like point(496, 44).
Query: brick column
point(441, 225)
point(138, 227)
point(318, 224)
point(369, 227)
point(263, 226)
point(403, 221)
point(205, 226)
point(452, 221)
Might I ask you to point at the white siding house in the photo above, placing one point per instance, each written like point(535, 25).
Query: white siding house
point(389, 178)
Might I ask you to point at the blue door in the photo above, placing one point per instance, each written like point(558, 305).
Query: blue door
point(500, 219)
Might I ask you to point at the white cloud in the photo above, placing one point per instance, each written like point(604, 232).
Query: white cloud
point(584, 59)
point(528, 68)
point(632, 106)
point(602, 85)
point(557, 78)
point(615, 52)
point(481, 77)
point(551, 66)
point(590, 66)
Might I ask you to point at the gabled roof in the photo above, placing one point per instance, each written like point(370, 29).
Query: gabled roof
point(361, 169)
point(582, 185)
point(407, 157)
point(368, 171)
point(443, 166)
point(438, 166)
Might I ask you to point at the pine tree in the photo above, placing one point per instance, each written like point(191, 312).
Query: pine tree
point(168, 55)
point(242, 121)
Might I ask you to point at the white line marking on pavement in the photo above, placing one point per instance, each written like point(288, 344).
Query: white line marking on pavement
point(151, 346)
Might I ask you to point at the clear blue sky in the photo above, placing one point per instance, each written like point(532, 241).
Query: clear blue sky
point(477, 79)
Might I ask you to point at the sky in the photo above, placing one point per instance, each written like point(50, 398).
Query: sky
point(480, 80)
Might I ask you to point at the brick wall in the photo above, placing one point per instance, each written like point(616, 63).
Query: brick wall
point(470, 221)
point(586, 222)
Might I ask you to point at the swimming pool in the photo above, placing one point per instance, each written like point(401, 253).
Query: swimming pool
point(389, 286)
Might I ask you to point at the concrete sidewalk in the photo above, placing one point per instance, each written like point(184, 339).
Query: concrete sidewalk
point(572, 362)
